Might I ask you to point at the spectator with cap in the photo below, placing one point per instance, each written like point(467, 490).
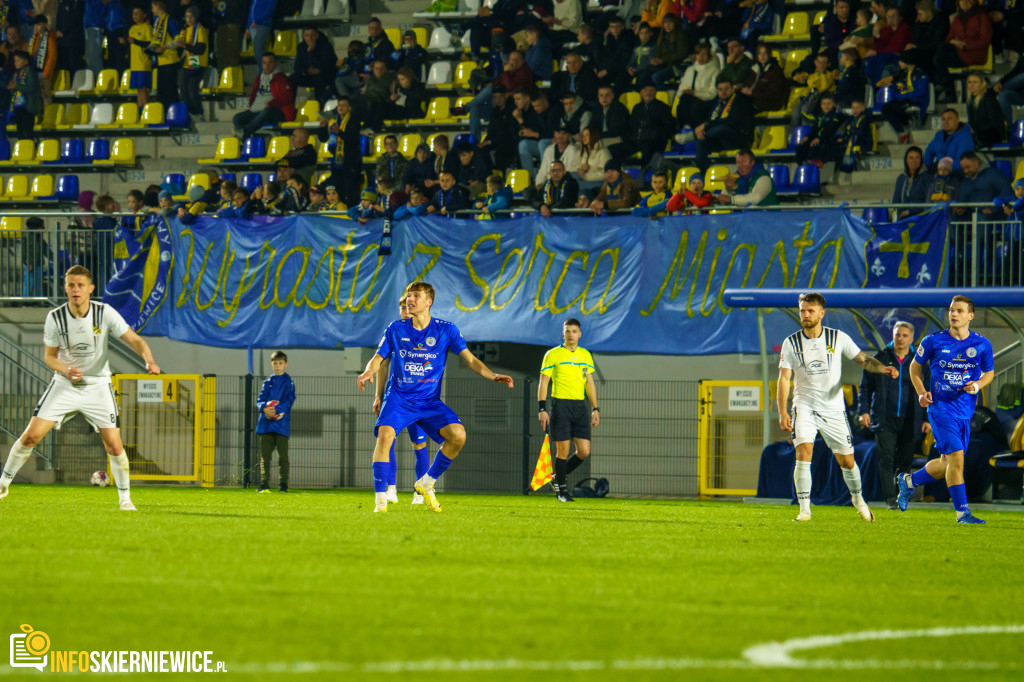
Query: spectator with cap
point(332, 199)
point(618, 192)
point(420, 169)
point(981, 186)
point(365, 211)
point(751, 186)
point(315, 64)
point(410, 56)
point(943, 186)
point(559, 191)
point(577, 78)
point(271, 100)
point(195, 207)
point(952, 140)
point(302, 157)
point(391, 163)
point(316, 198)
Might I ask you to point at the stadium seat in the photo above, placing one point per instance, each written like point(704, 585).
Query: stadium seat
point(714, 179)
point(277, 149)
point(198, 180)
point(798, 135)
point(885, 94)
point(82, 82)
point(227, 176)
point(231, 82)
point(286, 44)
point(1020, 171)
point(5, 148)
point(175, 179)
point(49, 118)
point(431, 138)
point(439, 110)
point(1003, 166)
point(177, 117)
point(321, 177)
point(44, 188)
point(125, 87)
point(61, 82)
point(421, 37)
point(630, 100)
point(376, 148)
point(440, 40)
point(127, 117)
point(309, 112)
point(1017, 133)
point(121, 153)
point(67, 188)
point(772, 139)
point(985, 67)
point(22, 155)
point(152, 116)
point(464, 103)
point(228, 149)
point(795, 28)
point(98, 150)
point(462, 72)
point(779, 174)
point(408, 143)
point(251, 181)
point(106, 83)
point(101, 113)
point(17, 189)
point(323, 152)
point(518, 180)
point(394, 34)
point(11, 223)
point(254, 147)
point(364, 145)
point(208, 85)
point(461, 139)
point(819, 17)
point(807, 179)
point(793, 59)
point(663, 96)
point(876, 215)
point(76, 113)
point(440, 76)
point(682, 180)
point(48, 152)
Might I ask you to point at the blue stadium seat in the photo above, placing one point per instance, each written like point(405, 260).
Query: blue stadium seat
point(5, 149)
point(72, 152)
point(798, 135)
point(227, 176)
point(364, 144)
point(175, 179)
point(98, 150)
point(251, 181)
point(254, 147)
point(886, 93)
point(633, 173)
point(271, 177)
point(67, 188)
point(779, 174)
point(807, 179)
point(876, 215)
point(1017, 133)
point(177, 117)
point(463, 138)
point(1004, 167)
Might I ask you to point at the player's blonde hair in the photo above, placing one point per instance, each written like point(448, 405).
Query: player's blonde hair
point(80, 270)
point(420, 285)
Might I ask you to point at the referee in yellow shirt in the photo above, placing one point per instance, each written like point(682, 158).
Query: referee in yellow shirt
point(570, 369)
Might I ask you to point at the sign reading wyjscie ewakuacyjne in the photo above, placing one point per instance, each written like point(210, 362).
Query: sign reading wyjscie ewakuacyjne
point(637, 285)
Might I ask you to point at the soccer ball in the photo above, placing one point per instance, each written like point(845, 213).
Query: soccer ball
point(99, 479)
point(279, 415)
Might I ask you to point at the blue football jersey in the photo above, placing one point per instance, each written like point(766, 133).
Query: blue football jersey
point(418, 357)
point(953, 365)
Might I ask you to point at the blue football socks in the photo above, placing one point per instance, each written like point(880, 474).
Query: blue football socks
point(392, 466)
point(380, 477)
point(959, 494)
point(422, 461)
point(440, 465)
point(920, 477)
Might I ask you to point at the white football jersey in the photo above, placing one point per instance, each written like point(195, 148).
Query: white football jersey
point(82, 341)
point(817, 366)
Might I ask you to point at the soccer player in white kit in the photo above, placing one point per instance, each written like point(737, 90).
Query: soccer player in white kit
point(812, 358)
point(75, 337)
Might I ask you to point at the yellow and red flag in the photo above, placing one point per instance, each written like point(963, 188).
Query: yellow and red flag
point(543, 473)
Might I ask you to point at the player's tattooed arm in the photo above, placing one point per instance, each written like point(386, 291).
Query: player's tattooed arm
point(871, 364)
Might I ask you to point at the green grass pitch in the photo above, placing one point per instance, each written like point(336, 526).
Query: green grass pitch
point(311, 585)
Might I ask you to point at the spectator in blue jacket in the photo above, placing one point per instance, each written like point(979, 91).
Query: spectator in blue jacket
point(417, 206)
point(499, 198)
point(981, 185)
point(1013, 206)
point(912, 90)
point(277, 395)
point(758, 19)
point(259, 24)
point(538, 54)
point(953, 141)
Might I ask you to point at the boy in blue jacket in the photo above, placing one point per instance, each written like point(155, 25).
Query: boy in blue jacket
point(277, 395)
point(499, 198)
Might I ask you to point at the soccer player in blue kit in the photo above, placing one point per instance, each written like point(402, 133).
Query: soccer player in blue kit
point(961, 364)
point(418, 349)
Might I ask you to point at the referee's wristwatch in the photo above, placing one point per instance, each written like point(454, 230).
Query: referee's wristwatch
point(596, 409)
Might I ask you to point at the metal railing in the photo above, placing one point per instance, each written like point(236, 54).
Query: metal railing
point(23, 378)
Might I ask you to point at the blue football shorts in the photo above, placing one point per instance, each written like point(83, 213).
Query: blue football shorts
point(951, 434)
point(431, 416)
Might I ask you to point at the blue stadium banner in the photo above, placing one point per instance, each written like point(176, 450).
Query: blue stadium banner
point(638, 285)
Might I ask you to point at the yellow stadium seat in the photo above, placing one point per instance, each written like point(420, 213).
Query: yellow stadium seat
point(277, 149)
point(43, 186)
point(106, 83)
point(664, 96)
point(714, 179)
point(17, 188)
point(395, 36)
point(683, 178)
point(630, 100)
point(48, 150)
point(286, 44)
point(11, 223)
point(985, 67)
point(22, 155)
point(76, 114)
point(231, 81)
point(125, 88)
point(323, 152)
point(152, 115)
point(62, 81)
point(227, 148)
point(773, 137)
point(377, 148)
point(1020, 172)
point(127, 117)
point(101, 113)
point(463, 102)
point(322, 176)
point(309, 112)
point(197, 180)
point(793, 59)
point(462, 71)
point(431, 138)
point(422, 38)
point(408, 143)
point(518, 180)
point(796, 27)
point(122, 153)
point(49, 119)
point(439, 110)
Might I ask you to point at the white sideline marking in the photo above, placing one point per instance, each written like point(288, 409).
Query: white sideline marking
point(760, 656)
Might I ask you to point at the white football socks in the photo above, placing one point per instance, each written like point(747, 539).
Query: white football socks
point(119, 469)
point(19, 455)
point(852, 478)
point(802, 481)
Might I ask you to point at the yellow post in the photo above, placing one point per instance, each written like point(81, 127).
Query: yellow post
point(209, 432)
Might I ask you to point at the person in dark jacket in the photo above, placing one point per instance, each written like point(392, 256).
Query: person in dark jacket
point(651, 125)
point(851, 84)
point(929, 32)
point(672, 50)
point(767, 85)
point(341, 132)
point(26, 97)
point(537, 129)
point(612, 120)
point(449, 197)
point(559, 191)
point(834, 29)
point(820, 145)
point(473, 169)
point(729, 125)
point(615, 55)
point(889, 407)
point(69, 34)
point(407, 98)
point(315, 64)
point(983, 113)
point(502, 132)
point(577, 78)
point(410, 56)
point(980, 185)
point(277, 395)
point(420, 169)
point(912, 184)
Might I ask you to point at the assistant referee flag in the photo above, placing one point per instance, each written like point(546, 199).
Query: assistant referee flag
point(542, 473)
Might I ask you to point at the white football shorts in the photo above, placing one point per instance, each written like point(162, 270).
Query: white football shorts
point(832, 425)
point(94, 400)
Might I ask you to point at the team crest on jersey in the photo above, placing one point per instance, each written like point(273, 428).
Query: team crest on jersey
point(830, 349)
point(431, 341)
point(96, 330)
point(971, 352)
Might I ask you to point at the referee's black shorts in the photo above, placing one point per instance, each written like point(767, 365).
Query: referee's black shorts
point(569, 419)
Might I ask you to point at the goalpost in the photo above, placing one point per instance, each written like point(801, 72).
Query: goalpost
point(168, 426)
